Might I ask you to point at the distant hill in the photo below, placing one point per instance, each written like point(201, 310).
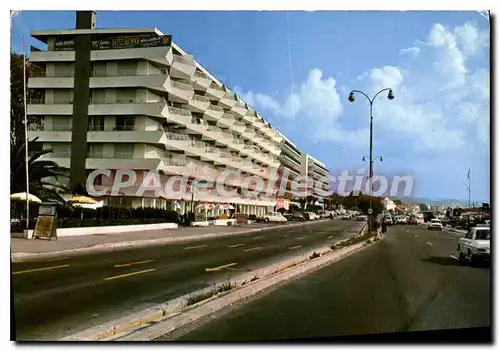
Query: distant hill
point(432, 201)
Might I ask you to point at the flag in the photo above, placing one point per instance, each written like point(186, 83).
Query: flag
point(468, 174)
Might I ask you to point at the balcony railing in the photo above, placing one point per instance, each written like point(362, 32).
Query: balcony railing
point(197, 143)
point(176, 136)
point(180, 85)
point(211, 149)
point(201, 98)
point(215, 108)
point(49, 129)
point(231, 96)
point(179, 111)
point(198, 74)
point(172, 161)
point(183, 60)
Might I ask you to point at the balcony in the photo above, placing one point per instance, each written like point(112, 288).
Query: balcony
point(201, 80)
point(51, 83)
point(198, 103)
point(177, 142)
point(179, 92)
point(215, 92)
point(212, 133)
point(198, 127)
point(179, 115)
point(240, 109)
point(135, 136)
point(238, 127)
point(50, 109)
point(213, 112)
point(249, 133)
point(227, 120)
point(47, 135)
point(249, 118)
point(52, 56)
point(182, 67)
point(228, 100)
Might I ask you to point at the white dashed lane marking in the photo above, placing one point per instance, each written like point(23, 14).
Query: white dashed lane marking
point(428, 243)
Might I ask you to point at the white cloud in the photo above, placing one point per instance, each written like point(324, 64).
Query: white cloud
point(316, 106)
point(413, 51)
point(470, 39)
point(441, 103)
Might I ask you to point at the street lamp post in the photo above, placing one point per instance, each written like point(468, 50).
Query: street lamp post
point(352, 98)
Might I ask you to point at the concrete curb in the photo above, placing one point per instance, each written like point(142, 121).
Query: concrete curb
point(211, 306)
point(114, 329)
point(26, 256)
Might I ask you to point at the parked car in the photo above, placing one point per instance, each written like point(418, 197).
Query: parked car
point(313, 216)
point(274, 217)
point(346, 216)
point(413, 221)
point(362, 218)
point(400, 220)
point(445, 221)
point(475, 246)
point(434, 224)
point(295, 217)
point(388, 220)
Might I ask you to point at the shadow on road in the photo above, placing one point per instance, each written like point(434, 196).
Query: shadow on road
point(450, 261)
point(443, 261)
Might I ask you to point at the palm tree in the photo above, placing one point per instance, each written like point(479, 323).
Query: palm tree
point(40, 171)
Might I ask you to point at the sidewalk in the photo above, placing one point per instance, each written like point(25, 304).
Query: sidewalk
point(23, 248)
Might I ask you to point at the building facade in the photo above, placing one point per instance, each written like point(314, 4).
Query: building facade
point(132, 102)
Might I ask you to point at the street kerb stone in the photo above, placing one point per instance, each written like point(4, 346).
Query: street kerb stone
point(25, 256)
point(246, 285)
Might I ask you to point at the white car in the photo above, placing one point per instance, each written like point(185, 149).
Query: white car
point(475, 245)
point(435, 224)
point(362, 218)
point(274, 217)
point(313, 216)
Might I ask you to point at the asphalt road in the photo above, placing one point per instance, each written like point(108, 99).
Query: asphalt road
point(410, 281)
point(59, 297)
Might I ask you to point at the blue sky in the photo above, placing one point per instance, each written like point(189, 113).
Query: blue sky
point(435, 129)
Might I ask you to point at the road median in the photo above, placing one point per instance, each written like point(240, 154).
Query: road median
point(191, 307)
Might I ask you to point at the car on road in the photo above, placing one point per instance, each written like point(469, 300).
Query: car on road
point(274, 217)
point(434, 224)
point(362, 218)
point(413, 221)
point(475, 245)
point(388, 220)
point(346, 216)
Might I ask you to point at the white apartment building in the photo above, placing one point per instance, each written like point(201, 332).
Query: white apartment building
point(155, 108)
point(314, 171)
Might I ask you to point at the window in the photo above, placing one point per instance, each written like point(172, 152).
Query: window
point(125, 123)
point(61, 123)
point(61, 150)
point(99, 96)
point(95, 150)
point(124, 96)
point(124, 150)
point(63, 96)
point(127, 68)
point(99, 69)
point(64, 69)
point(96, 123)
point(483, 234)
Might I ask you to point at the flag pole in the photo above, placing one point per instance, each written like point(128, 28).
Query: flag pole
point(26, 136)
